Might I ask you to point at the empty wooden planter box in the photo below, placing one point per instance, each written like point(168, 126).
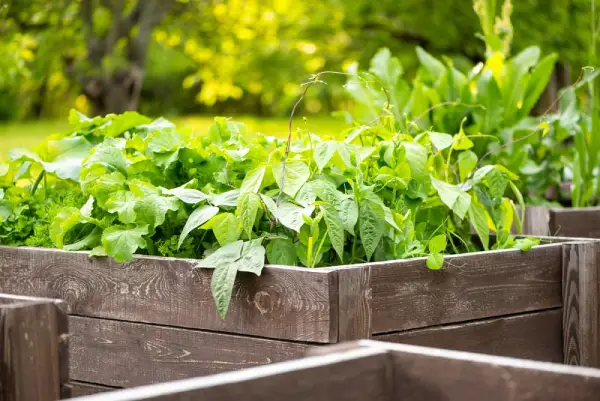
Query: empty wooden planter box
point(154, 320)
point(375, 371)
point(564, 222)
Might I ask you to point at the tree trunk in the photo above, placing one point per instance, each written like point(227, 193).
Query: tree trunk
point(117, 93)
point(548, 102)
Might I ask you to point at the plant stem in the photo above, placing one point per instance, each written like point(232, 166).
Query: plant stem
point(37, 182)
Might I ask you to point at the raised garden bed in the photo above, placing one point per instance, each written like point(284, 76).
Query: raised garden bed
point(154, 319)
point(383, 372)
point(565, 222)
point(33, 349)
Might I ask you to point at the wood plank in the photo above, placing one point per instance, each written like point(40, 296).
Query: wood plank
point(354, 303)
point(285, 302)
point(575, 222)
point(79, 389)
point(536, 336)
point(123, 354)
point(537, 221)
point(407, 295)
point(428, 374)
point(29, 352)
point(581, 296)
point(353, 376)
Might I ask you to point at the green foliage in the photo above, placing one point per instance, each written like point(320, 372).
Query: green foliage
point(150, 188)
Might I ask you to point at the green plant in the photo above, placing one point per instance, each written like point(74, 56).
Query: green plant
point(141, 186)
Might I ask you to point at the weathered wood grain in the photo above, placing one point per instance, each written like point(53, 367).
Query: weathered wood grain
point(29, 352)
point(427, 374)
point(358, 375)
point(537, 222)
point(407, 295)
point(575, 222)
point(581, 297)
point(123, 354)
point(354, 303)
point(536, 336)
point(285, 302)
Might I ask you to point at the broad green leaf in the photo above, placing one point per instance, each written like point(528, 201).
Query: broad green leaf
point(108, 155)
point(349, 214)
point(90, 241)
point(290, 215)
point(4, 169)
point(440, 141)
point(327, 192)
point(65, 220)
point(87, 209)
point(306, 196)
point(497, 182)
point(229, 198)
point(452, 196)
point(371, 225)
point(435, 261)
point(324, 151)
point(196, 219)
point(253, 180)
point(63, 157)
point(386, 68)
point(221, 286)
point(461, 142)
point(434, 67)
point(123, 203)
point(526, 244)
point(247, 209)
point(187, 195)
point(467, 161)
point(335, 229)
point(252, 258)
point(537, 82)
point(225, 227)
point(478, 220)
point(153, 209)
point(281, 252)
point(438, 244)
point(225, 255)
point(416, 157)
point(296, 174)
point(121, 242)
point(165, 141)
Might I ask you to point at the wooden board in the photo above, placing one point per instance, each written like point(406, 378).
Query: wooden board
point(354, 376)
point(432, 374)
point(407, 295)
point(536, 336)
point(123, 354)
point(354, 303)
point(29, 352)
point(285, 302)
point(581, 295)
point(575, 222)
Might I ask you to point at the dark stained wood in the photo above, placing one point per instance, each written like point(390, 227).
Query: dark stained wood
point(407, 295)
point(358, 375)
point(123, 354)
point(285, 302)
point(575, 222)
point(354, 303)
point(79, 389)
point(29, 351)
point(426, 374)
point(536, 336)
point(581, 296)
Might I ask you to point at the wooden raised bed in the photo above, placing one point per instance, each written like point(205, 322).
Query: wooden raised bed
point(370, 370)
point(565, 222)
point(33, 349)
point(153, 320)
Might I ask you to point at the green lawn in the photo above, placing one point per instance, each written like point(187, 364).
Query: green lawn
point(28, 134)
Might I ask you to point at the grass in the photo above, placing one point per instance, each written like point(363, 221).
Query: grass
point(29, 134)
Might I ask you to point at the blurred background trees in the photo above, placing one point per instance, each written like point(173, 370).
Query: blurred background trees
point(240, 56)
